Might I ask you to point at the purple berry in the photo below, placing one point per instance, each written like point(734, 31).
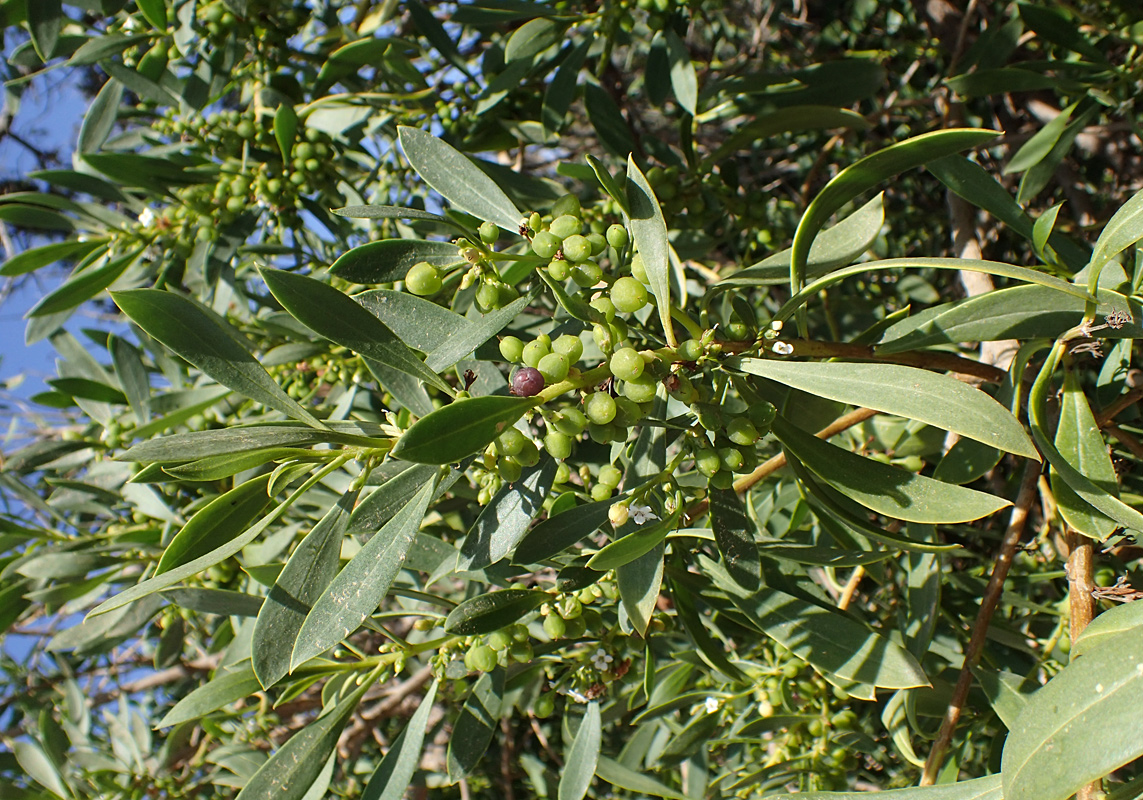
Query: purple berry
point(527, 382)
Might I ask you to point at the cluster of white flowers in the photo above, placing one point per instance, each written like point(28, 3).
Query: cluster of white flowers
point(146, 217)
point(601, 660)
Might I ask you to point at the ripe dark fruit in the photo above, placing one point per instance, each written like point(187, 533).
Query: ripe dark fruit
point(527, 382)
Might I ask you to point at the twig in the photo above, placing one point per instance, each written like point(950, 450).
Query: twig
point(988, 604)
point(850, 587)
point(1081, 605)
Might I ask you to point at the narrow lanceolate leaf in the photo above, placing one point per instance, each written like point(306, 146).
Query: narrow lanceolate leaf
point(459, 429)
point(299, 585)
point(459, 342)
point(907, 392)
point(867, 173)
point(1079, 440)
point(492, 611)
point(560, 532)
point(218, 522)
point(285, 129)
point(289, 773)
point(734, 534)
point(395, 772)
point(639, 583)
point(504, 520)
point(386, 212)
point(82, 286)
point(359, 588)
point(1121, 231)
point(1082, 725)
point(831, 641)
point(335, 316)
point(45, 19)
point(886, 489)
point(221, 691)
point(632, 545)
point(181, 447)
point(980, 789)
point(390, 260)
point(100, 118)
point(207, 342)
point(649, 230)
point(457, 179)
point(583, 755)
point(621, 777)
point(476, 725)
point(1107, 626)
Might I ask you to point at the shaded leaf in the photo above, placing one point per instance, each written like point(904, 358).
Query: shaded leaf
point(734, 533)
point(216, 523)
point(1107, 626)
point(557, 533)
point(507, 516)
point(684, 81)
point(1080, 441)
point(492, 611)
point(394, 774)
point(459, 429)
point(220, 691)
point(101, 117)
point(476, 725)
point(387, 212)
point(639, 583)
point(390, 260)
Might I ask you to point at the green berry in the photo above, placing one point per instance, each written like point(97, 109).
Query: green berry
point(610, 475)
point(423, 279)
point(558, 445)
point(638, 270)
point(599, 492)
point(545, 244)
point(577, 626)
point(489, 232)
point(568, 204)
point(570, 346)
point(586, 274)
point(741, 430)
point(617, 236)
point(576, 248)
point(480, 658)
point(512, 349)
point(641, 389)
point(626, 364)
point(627, 412)
point(762, 415)
point(602, 434)
point(554, 367)
point(520, 652)
point(559, 270)
point(604, 306)
point(570, 421)
point(690, 350)
point(563, 474)
point(509, 471)
point(707, 462)
point(565, 226)
point(235, 204)
point(628, 295)
point(555, 626)
point(544, 706)
point(722, 480)
point(603, 337)
point(529, 455)
point(499, 640)
point(488, 296)
point(534, 351)
point(570, 607)
point(730, 457)
point(598, 243)
point(599, 408)
point(511, 442)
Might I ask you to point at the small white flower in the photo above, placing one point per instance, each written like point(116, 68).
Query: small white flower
point(146, 217)
point(131, 24)
point(783, 348)
point(775, 324)
point(711, 705)
point(642, 513)
point(577, 696)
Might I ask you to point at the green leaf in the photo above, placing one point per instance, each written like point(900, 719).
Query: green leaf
point(979, 789)
point(608, 182)
point(639, 584)
point(710, 650)
point(1001, 80)
point(310, 569)
point(1043, 172)
point(83, 285)
point(885, 489)
point(394, 774)
point(35, 764)
point(221, 691)
point(132, 375)
point(476, 725)
point(419, 323)
point(218, 522)
point(561, 90)
point(831, 641)
point(1032, 152)
point(621, 777)
point(436, 34)
point(837, 246)
point(582, 756)
point(1042, 229)
point(1005, 692)
point(649, 230)
point(388, 212)
point(390, 260)
point(289, 773)
point(36, 217)
point(1107, 626)
point(867, 173)
point(214, 601)
point(607, 119)
point(1124, 229)
point(36, 257)
point(492, 611)
point(532, 38)
point(504, 520)
point(101, 117)
point(735, 535)
point(556, 534)
point(1079, 727)
point(632, 545)
point(457, 179)
point(185, 447)
point(787, 120)
point(156, 13)
point(1059, 28)
point(909, 392)
point(459, 429)
point(88, 390)
point(1079, 440)
point(389, 498)
point(684, 81)
point(459, 342)
point(359, 588)
point(45, 19)
point(213, 468)
point(207, 342)
point(335, 316)
point(99, 48)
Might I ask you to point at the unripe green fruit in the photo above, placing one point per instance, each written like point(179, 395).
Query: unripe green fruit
point(480, 658)
point(599, 492)
point(603, 337)
point(628, 295)
point(642, 389)
point(599, 408)
point(544, 706)
point(586, 274)
point(559, 270)
point(534, 351)
point(488, 296)
point(638, 269)
point(304, 151)
point(690, 350)
point(617, 236)
point(245, 130)
point(565, 226)
point(707, 462)
point(762, 415)
point(570, 422)
point(312, 165)
point(554, 367)
point(610, 475)
point(570, 346)
point(576, 248)
point(235, 204)
point(545, 244)
point(598, 243)
point(509, 471)
point(737, 332)
point(555, 626)
point(730, 457)
point(535, 221)
point(604, 306)
point(558, 445)
point(722, 480)
point(512, 349)
point(529, 455)
point(489, 232)
point(602, 434)
point(499, 640)
point(511, 442)
point(520, 652)
point(570, 607)
point(741, 430)
point(507, 294)
point(627, 413)
point(577, 627)
point(626, 364)
point(563, 474)
point(568, 204)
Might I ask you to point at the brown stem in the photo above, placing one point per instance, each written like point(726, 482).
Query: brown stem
point(850, 587)
point(988, 605)
point(1081, 604)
